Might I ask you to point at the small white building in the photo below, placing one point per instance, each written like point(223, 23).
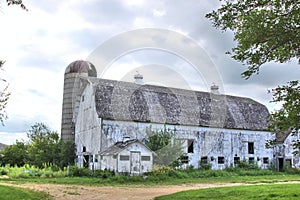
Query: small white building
point(127, 157)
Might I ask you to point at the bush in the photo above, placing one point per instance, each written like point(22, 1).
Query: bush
point(290, 170)
point(205, 166)
point(79, 171)
point(245, 165)
point(103, 174)
point(3, 171)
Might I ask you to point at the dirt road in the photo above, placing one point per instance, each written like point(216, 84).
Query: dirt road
point(66, 192)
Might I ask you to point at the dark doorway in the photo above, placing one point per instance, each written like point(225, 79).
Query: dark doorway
point(86, 161)
point(280, 164)
point(190, 146)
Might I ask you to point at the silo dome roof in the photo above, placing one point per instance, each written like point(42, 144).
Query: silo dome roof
point(81, 66)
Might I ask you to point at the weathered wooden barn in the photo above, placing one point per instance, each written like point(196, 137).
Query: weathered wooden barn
point(214, 128)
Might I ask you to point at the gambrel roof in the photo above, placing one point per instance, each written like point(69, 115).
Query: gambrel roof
point(117, 100)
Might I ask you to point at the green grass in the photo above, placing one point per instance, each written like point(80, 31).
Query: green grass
point(159, 176)
point(11, 193)
point(266, 192)
point(128, 180)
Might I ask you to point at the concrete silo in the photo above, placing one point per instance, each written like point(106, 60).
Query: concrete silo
point(73, 87)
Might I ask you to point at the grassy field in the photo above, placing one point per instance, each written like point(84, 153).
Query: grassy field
point(273, 191)
point(159, 176)
point(11, 193)
point(287, 189)
point(129, 180)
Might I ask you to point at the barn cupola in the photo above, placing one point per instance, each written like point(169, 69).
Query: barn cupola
point(214, 89)
point(138, 78)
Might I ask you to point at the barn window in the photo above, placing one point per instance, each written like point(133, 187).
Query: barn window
point(82, 98)
point(145, 158)
point(266, 160)
point(190, 146)
point(250, 147)
point(184, 159)
point(251, 160)
point(114, 156)
point(124, 158)
point(221, 160)
point(204, 160)
point(236, 160)
point(84, 149)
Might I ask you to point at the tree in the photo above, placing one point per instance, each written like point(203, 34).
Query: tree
point(46, 148)
point(4, 94)
point(16, 2)
point(288, 117)
point(168, 150)
point(15, 154)
point(43, 145)
point(66, 150)
point(265, 30)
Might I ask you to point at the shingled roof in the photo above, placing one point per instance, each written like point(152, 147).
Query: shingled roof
point(126, 101)
point(120, 146)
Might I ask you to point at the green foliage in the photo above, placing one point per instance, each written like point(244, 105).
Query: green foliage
point(8, 193)
point(103, 174)
point(204, 165)
point(159, 175)
point(265, 30)
point(158, 139)
point(44, 150)
point(79, 171)
point(28, 171)
point(243, 164)
point(4, 96)
point(240, 192)
point(289, 115)
point(166, 147)
point(16, 154)
point(287, 119)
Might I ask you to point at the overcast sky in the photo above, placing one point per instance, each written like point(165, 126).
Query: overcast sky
point(39, 44)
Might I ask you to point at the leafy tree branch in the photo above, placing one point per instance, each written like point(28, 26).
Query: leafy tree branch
point(265, 30)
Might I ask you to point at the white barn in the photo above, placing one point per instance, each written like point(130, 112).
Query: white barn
point(215, 128)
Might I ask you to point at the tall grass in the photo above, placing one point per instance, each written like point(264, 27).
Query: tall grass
point(28, 171)
point(158, 174)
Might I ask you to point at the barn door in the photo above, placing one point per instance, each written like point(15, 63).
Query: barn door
point(135, 162)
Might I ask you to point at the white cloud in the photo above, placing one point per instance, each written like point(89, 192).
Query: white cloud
point(11, 138)
point(158, 13)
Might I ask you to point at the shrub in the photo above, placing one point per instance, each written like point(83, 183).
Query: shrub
point(246, 165)
point(3, 171)
point(79, 171)
point(205, 166)
point(103, 174)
